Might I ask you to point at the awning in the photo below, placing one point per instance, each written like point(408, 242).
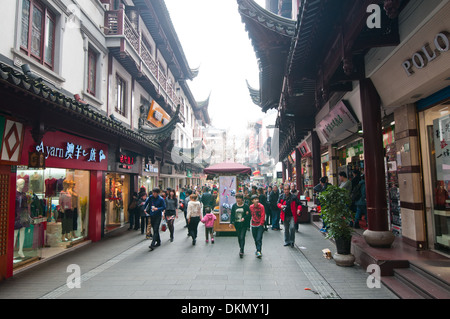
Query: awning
point(227, 168)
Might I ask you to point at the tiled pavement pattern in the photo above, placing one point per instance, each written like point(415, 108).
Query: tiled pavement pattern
point(121, 266)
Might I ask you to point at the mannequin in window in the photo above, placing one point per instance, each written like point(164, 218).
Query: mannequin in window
point(65, 205)
point(35, 182)
point(26, 178)
point(74, 196)
point(50, 187)
point(20, 222)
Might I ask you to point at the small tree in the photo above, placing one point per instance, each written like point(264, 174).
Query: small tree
point(336, 213)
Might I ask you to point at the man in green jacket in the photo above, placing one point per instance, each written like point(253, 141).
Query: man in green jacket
point(240, 218)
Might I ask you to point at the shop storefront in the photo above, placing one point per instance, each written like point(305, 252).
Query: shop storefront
point(413, 80)
point(392, 182)
point(121, 181)
point(435, 126)
point(56, 202)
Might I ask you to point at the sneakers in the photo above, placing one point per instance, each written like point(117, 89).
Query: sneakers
point(258, 254)
point(212, 240)
point(207, 241)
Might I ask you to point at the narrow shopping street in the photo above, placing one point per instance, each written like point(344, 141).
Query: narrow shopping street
point(122, 266)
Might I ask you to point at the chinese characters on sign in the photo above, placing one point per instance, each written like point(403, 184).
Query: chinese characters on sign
point(72, 151)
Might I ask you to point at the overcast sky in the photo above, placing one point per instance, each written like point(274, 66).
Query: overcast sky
point(214, 38)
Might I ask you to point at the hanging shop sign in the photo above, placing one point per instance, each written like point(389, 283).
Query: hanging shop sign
point(126, 161)
point(428, 53)
point(157, 116)
point(62, 150)
point(11, 139)
point(337, 122)
point(304, 149)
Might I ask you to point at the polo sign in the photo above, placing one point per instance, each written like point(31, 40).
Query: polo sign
point(428, 53)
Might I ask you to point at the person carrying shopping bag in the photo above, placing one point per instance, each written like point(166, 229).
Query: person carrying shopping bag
point(171, 211)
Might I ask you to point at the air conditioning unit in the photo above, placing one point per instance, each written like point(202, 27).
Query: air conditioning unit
point(105, 6)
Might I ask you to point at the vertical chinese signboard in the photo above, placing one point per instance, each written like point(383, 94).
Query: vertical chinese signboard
point(227, 193)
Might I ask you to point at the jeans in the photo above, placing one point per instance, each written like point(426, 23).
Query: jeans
point(144, 222)
point(257, 232)
point(360, 211)
point(289, 230)
point(275, 218)
point(241, 231)
point(156, 221)
point(209, 232)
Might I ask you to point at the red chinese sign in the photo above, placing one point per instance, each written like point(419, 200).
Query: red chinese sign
point(62, 150)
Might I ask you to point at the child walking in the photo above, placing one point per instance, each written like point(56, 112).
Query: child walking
point(208, 220)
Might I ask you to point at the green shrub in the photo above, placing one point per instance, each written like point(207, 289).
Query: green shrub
point(336, 213)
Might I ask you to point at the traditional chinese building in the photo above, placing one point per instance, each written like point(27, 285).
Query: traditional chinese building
point(355, 96)
point(90, 97)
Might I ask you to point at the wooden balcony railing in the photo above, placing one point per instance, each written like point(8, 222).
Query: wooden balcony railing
point(118, 24)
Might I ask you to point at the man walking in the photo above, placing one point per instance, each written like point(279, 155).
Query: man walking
point(155, 205)
point(207, 200)
point(273, 201)
point(290, 208)
point(240, 218)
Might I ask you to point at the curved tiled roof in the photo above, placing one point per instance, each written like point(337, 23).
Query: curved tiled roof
point(271, 38)
point(151, 139)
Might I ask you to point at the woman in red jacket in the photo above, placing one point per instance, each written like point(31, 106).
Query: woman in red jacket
point(290, 208)
point(257, 223)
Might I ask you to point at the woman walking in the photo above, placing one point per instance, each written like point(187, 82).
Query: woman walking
point(257, 223)
point(171, 211)
point(194, 215)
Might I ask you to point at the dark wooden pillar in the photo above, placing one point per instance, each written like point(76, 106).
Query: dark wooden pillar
point(317, 164)
point(283, 168)
point(378, 234)
point(298, 170)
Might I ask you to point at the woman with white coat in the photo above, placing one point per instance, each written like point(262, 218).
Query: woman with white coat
point(194, 215)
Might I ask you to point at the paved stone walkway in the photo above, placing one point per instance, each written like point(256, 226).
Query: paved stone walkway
point(122, 266)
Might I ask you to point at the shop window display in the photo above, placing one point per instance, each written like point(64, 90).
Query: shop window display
point(437, 124)
point(51, 211)
point(117, 200)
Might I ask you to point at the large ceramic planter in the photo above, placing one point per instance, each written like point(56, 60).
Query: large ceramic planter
point(343, 257)
point(343, 245)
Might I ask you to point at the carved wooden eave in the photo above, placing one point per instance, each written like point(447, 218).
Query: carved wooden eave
point(327, 54)
point(255, 94)
point(271, 37)
point(201, 110)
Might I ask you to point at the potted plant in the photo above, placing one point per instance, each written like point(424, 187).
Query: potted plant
point(336, 215)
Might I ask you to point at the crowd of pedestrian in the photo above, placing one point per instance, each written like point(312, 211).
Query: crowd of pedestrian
point(257, 208)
